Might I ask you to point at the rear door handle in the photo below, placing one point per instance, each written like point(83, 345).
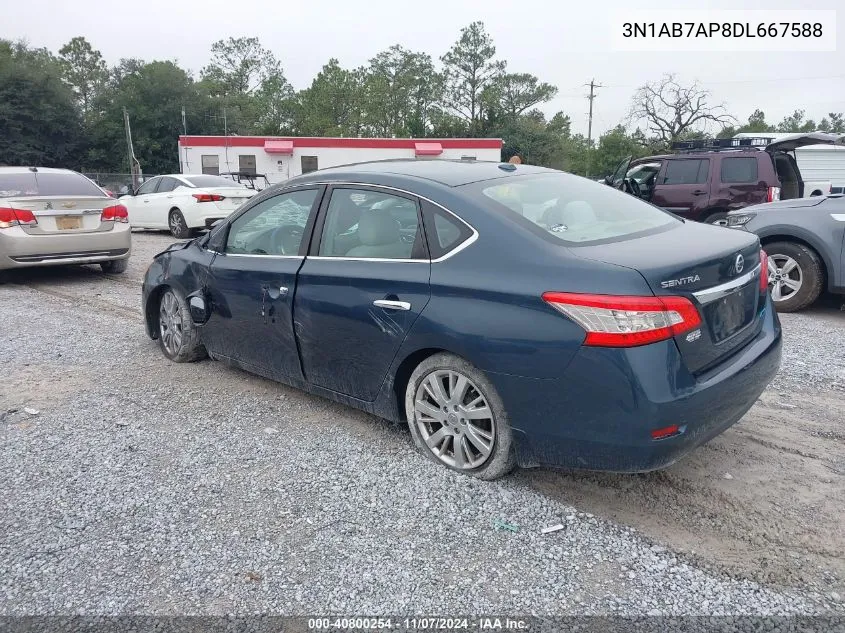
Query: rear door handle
point(698, 192)
point(387, 304)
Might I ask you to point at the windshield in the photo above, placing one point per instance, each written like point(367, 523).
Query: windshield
point(210, 181)
point(47, 184)
point(573, 209)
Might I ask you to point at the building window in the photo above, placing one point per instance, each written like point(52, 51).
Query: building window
point(309, 163)
point(211, 164)
point(246, 164)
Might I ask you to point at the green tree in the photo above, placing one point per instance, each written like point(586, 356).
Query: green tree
point(275, 102)
point(515, 93)
point(84, 70)
point(834, 122)
point(39, 122)
point(469, 67)
point(153, 95)
point(239, 65)
point(333, 104)
point(796, 122)
point(401, 89)
point(756, 123)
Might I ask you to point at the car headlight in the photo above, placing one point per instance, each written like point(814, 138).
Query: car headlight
point(740, 219)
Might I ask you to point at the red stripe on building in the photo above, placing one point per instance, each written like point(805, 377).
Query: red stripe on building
point(319, 141)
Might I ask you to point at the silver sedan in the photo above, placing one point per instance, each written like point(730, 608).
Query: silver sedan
point(57, 216)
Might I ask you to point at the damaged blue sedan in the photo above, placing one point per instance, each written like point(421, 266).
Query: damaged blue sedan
point(508, 314)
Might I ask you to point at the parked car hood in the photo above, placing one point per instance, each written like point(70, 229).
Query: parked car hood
point(795, 203)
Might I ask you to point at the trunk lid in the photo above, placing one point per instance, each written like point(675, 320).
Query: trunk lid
point(64, 214)
point(233, 197)
point(794, 141)
point(718, 269)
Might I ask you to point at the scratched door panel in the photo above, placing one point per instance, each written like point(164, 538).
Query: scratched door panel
point(346, 342)
point(251, 312)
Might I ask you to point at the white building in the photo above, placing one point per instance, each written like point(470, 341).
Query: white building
point(818, 163)
point(280, 158)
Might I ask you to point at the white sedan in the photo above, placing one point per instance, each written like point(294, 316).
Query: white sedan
point(184, 203)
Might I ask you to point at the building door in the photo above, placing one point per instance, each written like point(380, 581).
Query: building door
point(282, 165)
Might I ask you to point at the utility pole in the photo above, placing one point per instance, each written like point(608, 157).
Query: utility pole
point(593, 85)
point(134, 165)
point(184, 167)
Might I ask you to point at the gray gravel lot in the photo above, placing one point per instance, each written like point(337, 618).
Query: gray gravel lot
point(142, 486)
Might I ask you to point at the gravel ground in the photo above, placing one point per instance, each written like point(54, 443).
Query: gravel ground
point(146, 487)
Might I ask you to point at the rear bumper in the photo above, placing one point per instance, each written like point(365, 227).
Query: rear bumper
point(600, 415)
point(20, 250)
point(204, 216)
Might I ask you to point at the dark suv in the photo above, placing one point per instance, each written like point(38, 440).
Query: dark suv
point(706, 179)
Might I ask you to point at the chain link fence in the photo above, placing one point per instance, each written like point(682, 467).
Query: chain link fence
point(118, 184)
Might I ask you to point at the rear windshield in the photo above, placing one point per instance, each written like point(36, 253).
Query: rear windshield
point(210, 181)
point(571, 209)
point(47, 184)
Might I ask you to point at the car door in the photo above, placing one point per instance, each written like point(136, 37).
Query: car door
point(252, 283)
point(138, 204)
point(161, 202)
point(683, 187)
point(362, 286)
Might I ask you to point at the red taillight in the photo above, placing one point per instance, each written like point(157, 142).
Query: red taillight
point(14, 217)
point(624, 321)
point(773, 194)
point(666, 431)
point(115, 213)
point(764, 271)
point(208, 197)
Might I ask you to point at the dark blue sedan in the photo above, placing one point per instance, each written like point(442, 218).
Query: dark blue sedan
point(510, 314)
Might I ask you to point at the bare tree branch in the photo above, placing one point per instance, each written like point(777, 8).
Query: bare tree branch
point(672, 111)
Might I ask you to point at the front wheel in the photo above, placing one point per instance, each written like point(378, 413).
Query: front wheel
point(795, 275)
point(178, 337)
point(457, 418)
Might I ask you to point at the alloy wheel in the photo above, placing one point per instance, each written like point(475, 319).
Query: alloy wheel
point(175, 224)
point(785, 277)
point(454, 419)
point(170, 323)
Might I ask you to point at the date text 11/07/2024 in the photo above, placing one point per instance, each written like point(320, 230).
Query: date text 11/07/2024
point(722, 29)
point(418, 624)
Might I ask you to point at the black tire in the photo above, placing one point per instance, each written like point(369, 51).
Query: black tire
point(189, 347)
point(500, 460)
point(115, 266)
point(178, 226)
point(811, 271)
point(719, 219)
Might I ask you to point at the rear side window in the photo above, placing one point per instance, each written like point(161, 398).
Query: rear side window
point(444, 232)
point(572, 209)
point(686, 172)
point(47, 184)
point(739, 170)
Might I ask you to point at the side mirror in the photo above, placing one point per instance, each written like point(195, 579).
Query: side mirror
point(216, 239)
point(199, 308)
point(608, 180)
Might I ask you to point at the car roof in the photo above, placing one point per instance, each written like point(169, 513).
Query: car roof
point(40, 170)
point(451, 173)
point(702, 154)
